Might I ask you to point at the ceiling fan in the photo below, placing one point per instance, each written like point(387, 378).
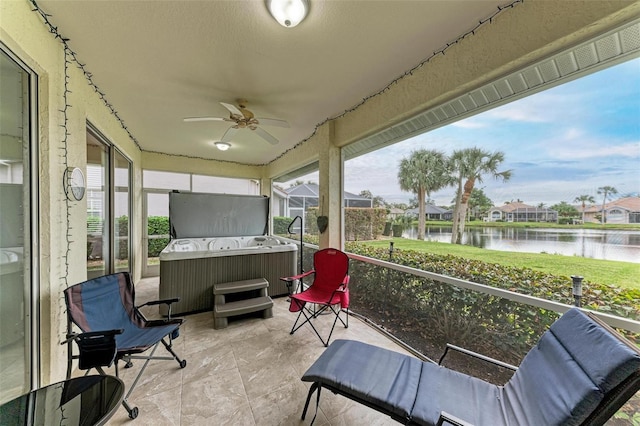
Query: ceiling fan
point(242, 118)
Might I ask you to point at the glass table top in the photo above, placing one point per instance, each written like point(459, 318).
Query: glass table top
point(88, 400)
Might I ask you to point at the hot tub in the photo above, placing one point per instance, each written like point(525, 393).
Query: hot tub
point(190, 265)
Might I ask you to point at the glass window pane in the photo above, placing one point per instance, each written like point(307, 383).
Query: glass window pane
point(121, 206)
point(97, 207)
point(15, 236)
point(222, 185)
point(166, 180)
point(157, 228)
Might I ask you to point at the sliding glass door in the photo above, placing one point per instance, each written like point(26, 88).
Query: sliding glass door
point(108, 207)
point(18, 316)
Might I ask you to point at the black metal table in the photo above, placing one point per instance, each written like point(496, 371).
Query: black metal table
point(87, 400)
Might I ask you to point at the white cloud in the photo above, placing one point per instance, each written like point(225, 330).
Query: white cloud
point(583, 149)
point(540, 108)
point(471, 123)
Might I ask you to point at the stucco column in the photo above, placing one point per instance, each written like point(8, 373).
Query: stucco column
point(330, 182)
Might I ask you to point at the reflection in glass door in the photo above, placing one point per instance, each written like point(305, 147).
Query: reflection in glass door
point(121, 209)
point(156, 234)
point(97, 207)
point(16, 228)
point(108, 208)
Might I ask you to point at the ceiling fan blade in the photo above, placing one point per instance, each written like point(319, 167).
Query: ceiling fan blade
point(205, 119)
point(273, 122)
point(232, 109)
point(228, 135)
point(266, 136)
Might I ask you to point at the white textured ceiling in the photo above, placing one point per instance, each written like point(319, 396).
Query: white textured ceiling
point(160, 61)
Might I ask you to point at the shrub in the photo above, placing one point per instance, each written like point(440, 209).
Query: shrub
point(446, 313)
point(360, 224)
point(281, 225)
point(157, 225)
point(122, 230)
point(94, 225)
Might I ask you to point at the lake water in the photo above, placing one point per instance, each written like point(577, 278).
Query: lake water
point(596, 244)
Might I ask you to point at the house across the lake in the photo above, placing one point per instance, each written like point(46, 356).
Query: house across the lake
point(433, 212)
point(623, 210)
point(520, 212)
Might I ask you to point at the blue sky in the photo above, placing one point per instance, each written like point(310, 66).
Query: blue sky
point(560, 143)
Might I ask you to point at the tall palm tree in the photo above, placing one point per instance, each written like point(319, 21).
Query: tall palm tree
point(584, 199)
point(469, 165)
point(606, 191)
point(423, 173)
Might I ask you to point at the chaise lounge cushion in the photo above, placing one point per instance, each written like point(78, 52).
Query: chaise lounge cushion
point(568, 372)
point(576, 365)
point(468, 398)
point(373, 375)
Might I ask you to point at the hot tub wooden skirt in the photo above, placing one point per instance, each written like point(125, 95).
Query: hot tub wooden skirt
point(248, 296)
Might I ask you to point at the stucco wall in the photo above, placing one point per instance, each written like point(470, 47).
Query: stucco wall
point(62, 223)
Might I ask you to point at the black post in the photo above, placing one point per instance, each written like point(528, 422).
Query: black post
point(301, 246)
point(577, 289)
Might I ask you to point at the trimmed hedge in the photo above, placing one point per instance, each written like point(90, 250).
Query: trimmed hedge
point(122, 224)
point(437, 312)
point(157, 225)
point(360, 224)
point(280, 225)
point(623, 302)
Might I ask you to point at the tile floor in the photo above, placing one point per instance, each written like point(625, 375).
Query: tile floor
point(246, 374)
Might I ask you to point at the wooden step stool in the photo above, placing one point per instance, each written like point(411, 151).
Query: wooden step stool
point(223, 309)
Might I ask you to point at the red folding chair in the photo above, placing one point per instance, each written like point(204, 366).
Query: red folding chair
point(329, 291)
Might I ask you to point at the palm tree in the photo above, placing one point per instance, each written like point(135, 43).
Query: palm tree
point(584, 199)
point(606, 191)
point(422, 173)
point(469, 165)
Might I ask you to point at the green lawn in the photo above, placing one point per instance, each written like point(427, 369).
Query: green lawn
point(622, 274)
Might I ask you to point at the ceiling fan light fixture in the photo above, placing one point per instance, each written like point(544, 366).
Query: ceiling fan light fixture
point(222, 146)
point(288, 13)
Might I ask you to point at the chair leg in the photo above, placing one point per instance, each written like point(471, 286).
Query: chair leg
point(182, 362)
point(337, 314)
point(314, 314)
point(314, 386)
point(133, 411)
point(307, 321)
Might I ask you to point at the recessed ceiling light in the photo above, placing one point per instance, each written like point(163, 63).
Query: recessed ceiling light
point(288, 13)
point(222, 146)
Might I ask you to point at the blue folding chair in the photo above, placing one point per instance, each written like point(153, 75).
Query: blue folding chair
point(114, 329)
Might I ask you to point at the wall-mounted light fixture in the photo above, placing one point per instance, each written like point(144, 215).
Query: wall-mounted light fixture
point(222, 146)
point(288, 13)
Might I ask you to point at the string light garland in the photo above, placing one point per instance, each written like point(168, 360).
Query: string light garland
point(69, 58)
point(88, 75)
point(442, 51)
point(65, 161)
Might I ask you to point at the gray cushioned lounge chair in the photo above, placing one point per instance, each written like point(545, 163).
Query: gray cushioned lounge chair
point(579, 373)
